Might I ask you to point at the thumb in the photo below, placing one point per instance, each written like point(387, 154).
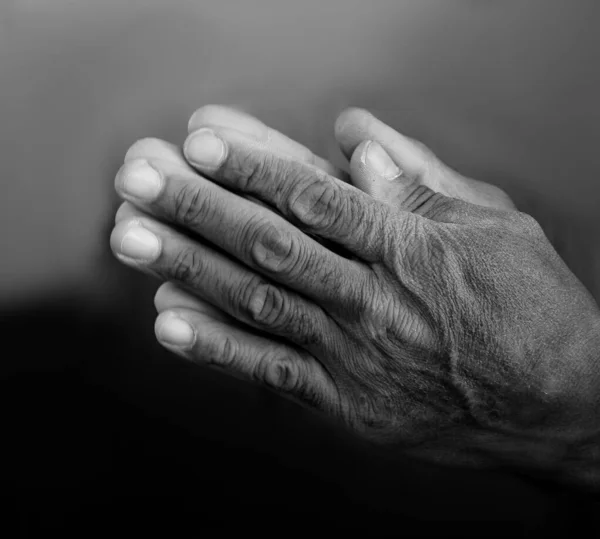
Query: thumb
point(354, 126)
point(373, 171)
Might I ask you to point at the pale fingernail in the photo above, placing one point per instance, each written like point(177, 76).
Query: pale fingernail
point(376, 158)
point(204, 148)
point(176, 332)
point(140, 244)
point(142, 181)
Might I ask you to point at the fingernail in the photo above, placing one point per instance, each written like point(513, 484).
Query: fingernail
point(176, 332)
point(376, 158)
point(140, 244)
point(205, 149)
point(142, 181)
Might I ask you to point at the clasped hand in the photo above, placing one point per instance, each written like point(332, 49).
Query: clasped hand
point(415, 305)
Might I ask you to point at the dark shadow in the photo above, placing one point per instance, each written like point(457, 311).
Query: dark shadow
point(115, 434)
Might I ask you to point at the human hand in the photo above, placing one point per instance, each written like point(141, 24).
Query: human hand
point(455, 329)
point(352, 127)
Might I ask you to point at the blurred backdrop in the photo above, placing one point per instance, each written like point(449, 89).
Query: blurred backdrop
point(504, 91)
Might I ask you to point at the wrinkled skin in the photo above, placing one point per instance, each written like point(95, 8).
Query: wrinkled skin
point(446, 328)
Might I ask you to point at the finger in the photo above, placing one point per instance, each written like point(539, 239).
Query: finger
point(306, 196)
point(172, 296)
point(372, 165)
point(157, 149)
point(375, 173)
point(354, 126)
point(127, 210)
point(253, 234)
point(289, 371)
point(148, 245)
point(270, 139)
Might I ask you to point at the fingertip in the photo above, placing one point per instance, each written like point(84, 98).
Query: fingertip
point(141, 147)
point(350, 115)
point(352, 127)
point(173, 329)
point(126, 210)
point(199, 116)
point(230, 117)
point(171, 296)
point(117, 234)
point(165, 291)
point(154, 148)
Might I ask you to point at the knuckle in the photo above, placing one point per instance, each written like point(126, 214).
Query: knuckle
point(279, 373)
point(222, 350)
point(247, 169)
point(317, 204)
point(267, 306)
point(274, 250)
point(190, 204)
point(187, 265)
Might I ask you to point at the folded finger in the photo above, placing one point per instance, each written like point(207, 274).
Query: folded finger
point(202, 339)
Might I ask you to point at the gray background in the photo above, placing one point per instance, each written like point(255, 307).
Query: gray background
point(506, 91)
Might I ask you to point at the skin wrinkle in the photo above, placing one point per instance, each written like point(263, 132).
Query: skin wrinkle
point(459, 379)
point(188, 266)
point(217, 215)
point(243, 164)
point(189, 203)
point(419, 361)
point(312, 203)
point(274, 250)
